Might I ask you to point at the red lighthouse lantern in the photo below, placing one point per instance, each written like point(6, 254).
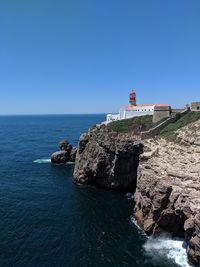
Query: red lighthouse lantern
point(132, 98)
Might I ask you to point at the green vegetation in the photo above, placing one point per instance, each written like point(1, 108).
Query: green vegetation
point(144, 123)
point(134, 125)
point(169, 132)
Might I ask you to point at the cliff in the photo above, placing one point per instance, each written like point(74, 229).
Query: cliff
point(107, 159)
point(168, 188)
point(164, 173)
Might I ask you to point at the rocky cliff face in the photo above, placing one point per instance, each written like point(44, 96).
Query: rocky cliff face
point(107, 159)
point(167, 181)
point(168, 188)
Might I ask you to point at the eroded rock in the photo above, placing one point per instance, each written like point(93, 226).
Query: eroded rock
point(67, 153)
point(168, 189)
point(60, 157)
point(106, 159)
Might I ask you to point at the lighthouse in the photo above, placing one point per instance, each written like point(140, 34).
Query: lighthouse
point(136, 110)
point(132, 98)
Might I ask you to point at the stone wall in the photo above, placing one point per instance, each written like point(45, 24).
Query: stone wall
point(177, 110)
point(156, 130)
point(161, 112)
point(195, 106)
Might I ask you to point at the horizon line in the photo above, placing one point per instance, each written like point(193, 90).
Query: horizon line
point(53, 114)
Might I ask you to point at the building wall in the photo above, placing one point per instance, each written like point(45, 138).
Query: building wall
point(195, 106)
point(158, 112)
point(161, 112)
point(136, 111)
point(112, 117)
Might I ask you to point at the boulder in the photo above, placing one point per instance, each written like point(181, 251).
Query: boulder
point(60, 157)
point(65, 145)
point(66, 153)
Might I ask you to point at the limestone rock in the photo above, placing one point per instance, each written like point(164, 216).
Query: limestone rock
point(190, 134)
point(73, 154)
point(60, 157)
point(66, 153)
point(107, 159)
point(168, 188)
point(65, 145)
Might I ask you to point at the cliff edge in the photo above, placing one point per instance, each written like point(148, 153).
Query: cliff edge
point(168, 188)
point(164, 173)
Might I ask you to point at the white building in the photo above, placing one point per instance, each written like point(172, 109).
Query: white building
point(132, 110)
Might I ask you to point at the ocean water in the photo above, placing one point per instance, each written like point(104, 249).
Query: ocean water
point(47, 220)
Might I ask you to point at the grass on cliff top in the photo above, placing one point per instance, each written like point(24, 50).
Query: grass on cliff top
point(134, 125)
point(169, 132)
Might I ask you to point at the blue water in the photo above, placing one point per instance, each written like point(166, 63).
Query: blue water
point(46, 219)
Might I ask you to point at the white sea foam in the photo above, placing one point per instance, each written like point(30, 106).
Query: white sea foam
point(160, 248)
point(129, 196)
point(133, 221)
point(70, 163)
point(42, 161)
point(172, 249)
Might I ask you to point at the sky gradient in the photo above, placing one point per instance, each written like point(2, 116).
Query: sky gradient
point(75, 56)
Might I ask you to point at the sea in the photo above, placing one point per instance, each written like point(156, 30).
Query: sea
point(48, 220)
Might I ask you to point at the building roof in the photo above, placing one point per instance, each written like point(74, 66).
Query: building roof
point(130, 107)
point(162, 105)
point(145, 105)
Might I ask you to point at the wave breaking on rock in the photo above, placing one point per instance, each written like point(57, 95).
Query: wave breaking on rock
point(173, 249)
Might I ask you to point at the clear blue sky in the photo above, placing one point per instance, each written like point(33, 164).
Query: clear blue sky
point(84, 56)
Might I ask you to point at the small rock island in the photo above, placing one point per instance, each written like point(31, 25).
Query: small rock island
point(67, 153)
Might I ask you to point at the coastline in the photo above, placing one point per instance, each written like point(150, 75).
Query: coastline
point(160, 200)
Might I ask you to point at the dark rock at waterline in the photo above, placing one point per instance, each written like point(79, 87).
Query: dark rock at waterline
point(66, 153)
point(107, 159)
point(65, 145)
point(60, 157)
point(73, 154)
point(193, 237)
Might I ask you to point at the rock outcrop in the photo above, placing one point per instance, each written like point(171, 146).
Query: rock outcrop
point(107, 159)
point(168, 188)
point(66, 153)
point(73, 154)
point(60, 157)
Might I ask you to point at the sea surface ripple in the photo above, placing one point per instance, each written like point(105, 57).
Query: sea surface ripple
point(47, 220)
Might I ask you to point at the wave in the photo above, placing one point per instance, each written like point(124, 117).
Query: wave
point(173, 249)
point(129, 196)
point(40, 161)
point(134, 221)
